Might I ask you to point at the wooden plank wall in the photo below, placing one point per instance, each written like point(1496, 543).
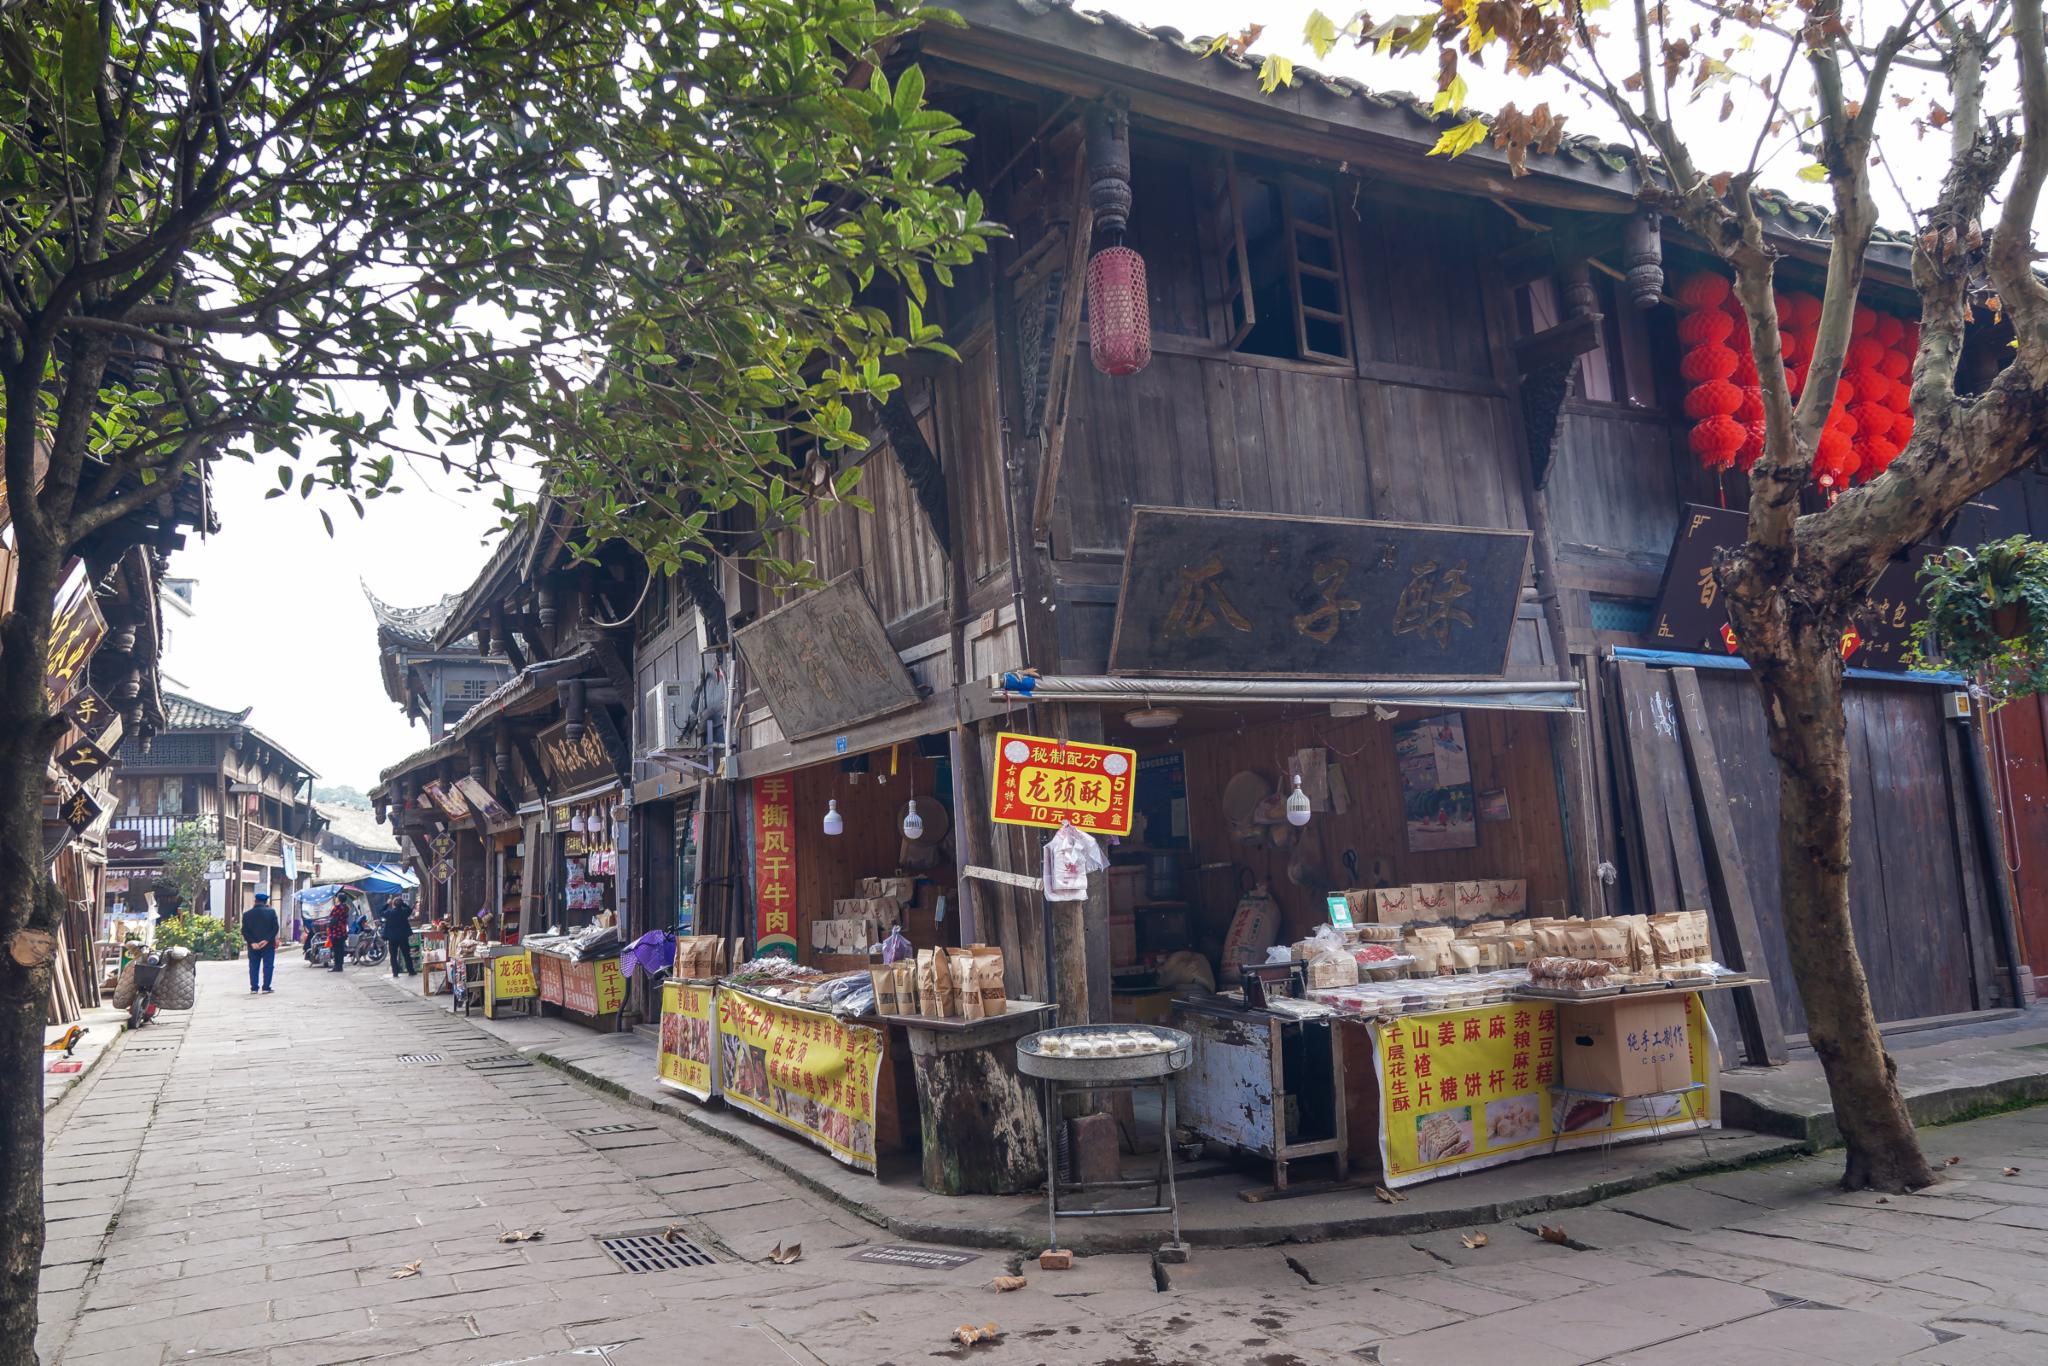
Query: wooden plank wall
point(1917, 888)
point(829, 867)
point(1508, 749)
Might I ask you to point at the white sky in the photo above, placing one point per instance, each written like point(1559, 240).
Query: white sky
point(282, 624)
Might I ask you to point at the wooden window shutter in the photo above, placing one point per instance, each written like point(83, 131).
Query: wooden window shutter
point(1315, 271)
point(1241, 313)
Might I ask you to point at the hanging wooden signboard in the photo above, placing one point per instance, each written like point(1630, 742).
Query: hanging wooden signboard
point(825, 661)
point(75, 632)
point(1255, 595)
point(573, 765)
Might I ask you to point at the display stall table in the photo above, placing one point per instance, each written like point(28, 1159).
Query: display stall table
point(1266, 1085)
point(977, 1121)
point(589, 990)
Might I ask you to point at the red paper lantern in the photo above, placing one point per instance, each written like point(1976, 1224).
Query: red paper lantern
point(1835, 456)
point(1119, 312)
point(1752, 409)
point(1705, 290)
point(1862, 321)
point(1752, 446)
point(1705, 326)
point(1888, 330)
point(1872, 420)
point(1795, 347)
point(1795, 379)
point(1703, 363)
point(1717, 440)
point(1899, 398)
point(1806, 310)
point(1864, 354)
point(1896, 364)
point(1715, 396)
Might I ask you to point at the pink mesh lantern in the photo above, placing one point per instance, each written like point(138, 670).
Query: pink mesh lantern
point(1119, 312)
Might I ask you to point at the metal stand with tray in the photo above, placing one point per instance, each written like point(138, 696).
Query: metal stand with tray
point(1064, 1075)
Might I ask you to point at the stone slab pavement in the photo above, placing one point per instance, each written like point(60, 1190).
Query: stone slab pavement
point(325, 1176)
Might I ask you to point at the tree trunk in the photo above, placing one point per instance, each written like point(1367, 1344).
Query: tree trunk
point(1802, 693)
point(27, 899)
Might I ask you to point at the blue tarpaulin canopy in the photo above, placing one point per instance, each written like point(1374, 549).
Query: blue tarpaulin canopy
point(389, 878)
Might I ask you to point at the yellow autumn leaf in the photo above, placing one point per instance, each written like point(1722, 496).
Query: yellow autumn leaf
point(1450, 100)
point(1813, 174)
point(1320, 33)
point(1274, 72)
point(1461, 139)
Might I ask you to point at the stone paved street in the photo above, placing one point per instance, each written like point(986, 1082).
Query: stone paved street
point(241, 1184)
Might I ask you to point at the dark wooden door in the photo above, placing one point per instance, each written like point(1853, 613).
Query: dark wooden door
point(1916, 883)
point(2020, 749)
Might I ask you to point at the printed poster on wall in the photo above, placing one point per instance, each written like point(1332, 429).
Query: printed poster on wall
point(803, 1071)
point(1462, 1090)
point(774, 867)
point(689, 1039)
point(1436, 783)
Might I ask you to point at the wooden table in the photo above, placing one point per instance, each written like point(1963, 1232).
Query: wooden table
point(977, 1117)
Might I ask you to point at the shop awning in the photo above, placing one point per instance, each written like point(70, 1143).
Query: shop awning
point(389, 877)
point(1342, 696)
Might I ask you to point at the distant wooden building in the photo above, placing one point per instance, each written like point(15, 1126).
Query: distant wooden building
point(434, 684)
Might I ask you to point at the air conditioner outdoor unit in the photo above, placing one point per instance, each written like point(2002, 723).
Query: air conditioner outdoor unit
point(666, 710)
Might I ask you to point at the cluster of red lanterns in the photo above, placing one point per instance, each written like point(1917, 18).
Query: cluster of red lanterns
point(1872, 417)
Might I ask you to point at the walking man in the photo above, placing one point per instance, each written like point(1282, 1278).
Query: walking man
point(259, 937)
point(337, 932)
point(394, 922)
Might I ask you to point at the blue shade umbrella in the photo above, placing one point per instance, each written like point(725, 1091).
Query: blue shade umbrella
point(388, 878)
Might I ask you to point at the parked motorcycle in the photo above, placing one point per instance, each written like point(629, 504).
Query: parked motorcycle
point(364, 947)
point(148, 971)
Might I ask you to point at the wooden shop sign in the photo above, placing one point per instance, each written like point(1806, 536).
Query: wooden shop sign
point(75, 632)
point(574, 764)
point(825, 661)
point(1049, 783)
point(1255, 595)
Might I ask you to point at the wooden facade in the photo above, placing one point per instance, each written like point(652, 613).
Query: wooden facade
point(1342, 328)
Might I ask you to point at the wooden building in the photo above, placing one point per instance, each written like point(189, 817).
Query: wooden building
point(208, 764)
point(432, 684)
point(1410, 445)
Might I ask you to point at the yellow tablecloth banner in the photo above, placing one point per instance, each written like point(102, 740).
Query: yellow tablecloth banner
point(689, 1038)
point(802, 1070)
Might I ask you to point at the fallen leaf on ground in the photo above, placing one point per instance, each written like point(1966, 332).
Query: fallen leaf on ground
point(2011, 1171)
point(520, 1235)
point(783, 1256)
point(1950, 1161)
point(1474, 1240)
point(1550, 1234)
point(1387, 1196)
point(1008, 1283)
point(672, 1233)
point(967, 1334)
point(1884, 1199)
point(409, 1269)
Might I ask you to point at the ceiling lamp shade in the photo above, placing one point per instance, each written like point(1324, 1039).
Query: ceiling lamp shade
point(835, 824)
point(1152, 718)
point(1119, 312)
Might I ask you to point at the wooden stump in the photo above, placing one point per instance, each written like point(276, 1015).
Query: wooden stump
point(981, 1130)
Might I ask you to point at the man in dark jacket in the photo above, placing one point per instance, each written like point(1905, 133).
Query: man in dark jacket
point(259, 937)
point(394, 922)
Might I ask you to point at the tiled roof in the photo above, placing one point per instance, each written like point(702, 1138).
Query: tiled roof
point(358, 827)
point(411, 625)
point(1795, 217)
point(182, 713)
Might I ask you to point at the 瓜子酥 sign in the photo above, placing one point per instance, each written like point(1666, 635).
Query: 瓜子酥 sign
point(1258, 595)
point(1050, 783)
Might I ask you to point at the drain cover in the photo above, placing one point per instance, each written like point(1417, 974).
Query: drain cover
point(930, 1258)
point(149, 1048)
point(419, 1057)
point(596, 1129)
point(498, 1060)
point(671, 1251)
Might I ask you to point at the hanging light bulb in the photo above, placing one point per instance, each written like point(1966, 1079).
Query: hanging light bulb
point(913, 824)
point(835, 823)
point(1298, 808)
point(576, 821)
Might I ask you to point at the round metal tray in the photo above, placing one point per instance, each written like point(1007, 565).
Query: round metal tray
point(1122, 1067)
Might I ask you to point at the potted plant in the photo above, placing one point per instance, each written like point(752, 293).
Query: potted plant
point(1987, 615)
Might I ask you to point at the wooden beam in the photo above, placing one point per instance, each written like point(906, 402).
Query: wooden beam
point(1756, 1008)
point(1558, 345)
point(529, 759)
point(1066, 340)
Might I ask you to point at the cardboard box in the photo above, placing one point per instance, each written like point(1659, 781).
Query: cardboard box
point(1625, 1045)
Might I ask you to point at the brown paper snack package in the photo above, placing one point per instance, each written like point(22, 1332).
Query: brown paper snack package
point(930, 994)
point(966, 995)
point(1471, 901)
point(1462, 954)
point(1432, 901)
point(1610, 945)
point(988, 979)
point(883, 978)
point(1702, 936)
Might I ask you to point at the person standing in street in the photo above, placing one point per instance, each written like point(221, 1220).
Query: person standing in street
point(337, 932)
point(394, 922)
point(259, 937)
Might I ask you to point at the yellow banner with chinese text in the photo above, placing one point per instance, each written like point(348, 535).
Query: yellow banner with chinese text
point(689, 1038)
point(1461, 1090)
point(512, 978)
point(802, 1070)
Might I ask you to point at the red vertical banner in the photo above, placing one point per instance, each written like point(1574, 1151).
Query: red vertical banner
point(775, 867)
